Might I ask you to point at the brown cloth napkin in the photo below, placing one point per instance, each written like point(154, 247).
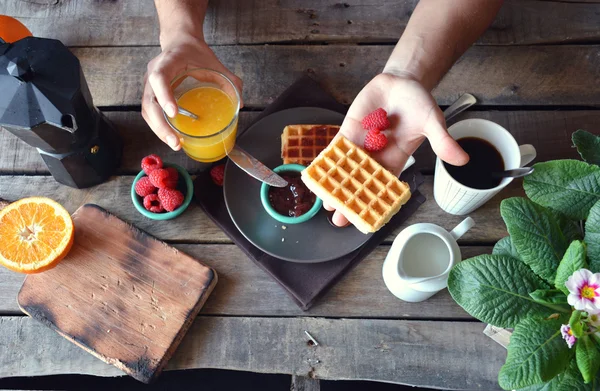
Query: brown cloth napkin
point(305, 283)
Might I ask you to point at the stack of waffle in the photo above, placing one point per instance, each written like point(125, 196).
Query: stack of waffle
point(300, 144)
point(347, 178)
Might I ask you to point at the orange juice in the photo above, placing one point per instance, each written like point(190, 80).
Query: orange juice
point(211, 136)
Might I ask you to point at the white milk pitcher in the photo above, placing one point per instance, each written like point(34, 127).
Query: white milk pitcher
point(420, 259)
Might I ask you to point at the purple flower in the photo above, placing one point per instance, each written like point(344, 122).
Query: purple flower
point(567, 335)
point(584, 288)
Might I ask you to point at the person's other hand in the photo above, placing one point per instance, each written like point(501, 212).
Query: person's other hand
point(183, 54)
point(413, 115)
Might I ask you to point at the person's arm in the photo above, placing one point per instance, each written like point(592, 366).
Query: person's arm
point(180, 19)
point(437, 34)
point(183, 47)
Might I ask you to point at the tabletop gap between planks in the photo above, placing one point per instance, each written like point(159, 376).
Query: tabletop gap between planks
point(485, 71)
point(244, 289)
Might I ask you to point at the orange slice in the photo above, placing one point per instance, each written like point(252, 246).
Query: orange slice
point(11, 30)
point(35, 234)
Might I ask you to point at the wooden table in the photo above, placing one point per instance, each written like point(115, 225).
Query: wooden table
point(536, 71)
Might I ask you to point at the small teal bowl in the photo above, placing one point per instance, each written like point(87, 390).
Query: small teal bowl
point(185, 185)
point(264, 198)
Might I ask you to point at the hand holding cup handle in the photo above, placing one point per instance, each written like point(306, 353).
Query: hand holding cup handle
point(458, 199)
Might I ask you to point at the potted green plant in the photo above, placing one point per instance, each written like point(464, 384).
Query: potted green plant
point(543, 280)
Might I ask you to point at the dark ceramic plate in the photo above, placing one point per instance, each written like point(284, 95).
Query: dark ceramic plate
point(313, 241)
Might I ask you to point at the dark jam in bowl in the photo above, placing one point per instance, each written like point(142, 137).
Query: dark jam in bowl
point(293, 200)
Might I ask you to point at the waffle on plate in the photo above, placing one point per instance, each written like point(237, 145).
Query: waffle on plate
point(347, 178)
point(300, 144)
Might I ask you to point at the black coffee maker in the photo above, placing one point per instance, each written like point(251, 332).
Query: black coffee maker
point(45, 101)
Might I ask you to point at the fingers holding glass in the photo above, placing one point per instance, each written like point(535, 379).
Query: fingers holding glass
point(153, 115)
point(162, 91)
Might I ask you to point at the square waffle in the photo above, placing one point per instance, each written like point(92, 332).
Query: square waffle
point(347, 178)
point(300, 144)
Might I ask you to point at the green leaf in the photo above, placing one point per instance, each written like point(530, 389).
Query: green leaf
point(550, 296)
point(536, 354)
point(536, 235)
point(569, 186)
point(588, 358)
point(505, 246)
point(588, 146)
point(596, 337)
point(569, 380)
point(575, 317)
point(569, 228)
point(576, 325)
point(573, 260)
point(495, 289)
point(592, 237)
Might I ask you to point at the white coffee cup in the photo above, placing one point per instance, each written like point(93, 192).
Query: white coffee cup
point(458, 199)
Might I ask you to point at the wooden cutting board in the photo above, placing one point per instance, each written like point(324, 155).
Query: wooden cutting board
point(120, 294)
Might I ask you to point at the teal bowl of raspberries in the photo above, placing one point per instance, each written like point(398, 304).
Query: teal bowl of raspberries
point(161, 191)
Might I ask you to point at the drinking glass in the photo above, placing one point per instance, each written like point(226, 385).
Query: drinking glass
point(216, 144)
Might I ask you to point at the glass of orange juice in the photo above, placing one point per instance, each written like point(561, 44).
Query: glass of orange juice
point(215, 100)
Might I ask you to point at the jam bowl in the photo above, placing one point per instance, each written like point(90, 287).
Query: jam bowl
point(293, 204)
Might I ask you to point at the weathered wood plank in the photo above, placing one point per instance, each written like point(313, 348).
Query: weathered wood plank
point(138, 139)
point(245, 290)
point(194, 227)
point(134, 22)
point(511, 75)
point(549, 131)
point(452, 355)
point(302, 383)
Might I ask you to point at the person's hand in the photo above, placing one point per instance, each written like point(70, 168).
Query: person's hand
point(183, 54)
point(413, 115)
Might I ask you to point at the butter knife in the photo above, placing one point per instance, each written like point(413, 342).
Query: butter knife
point(254, 168)
point(246, 162)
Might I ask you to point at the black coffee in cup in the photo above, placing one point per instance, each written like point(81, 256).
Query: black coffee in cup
point(484, 160)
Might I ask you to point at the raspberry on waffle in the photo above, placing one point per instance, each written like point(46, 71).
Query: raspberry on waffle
point(300, 144)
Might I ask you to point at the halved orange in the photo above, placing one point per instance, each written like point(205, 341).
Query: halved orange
point(35, 234)
point(11, 30)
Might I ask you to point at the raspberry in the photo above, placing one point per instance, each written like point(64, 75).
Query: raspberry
point(151, 163)
point(217, 173)
point(143, 187)
point(375, 141)
point(152, 203)
point(376, 120)
point(162, 179)
point(173, 175)
point(170, 199)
